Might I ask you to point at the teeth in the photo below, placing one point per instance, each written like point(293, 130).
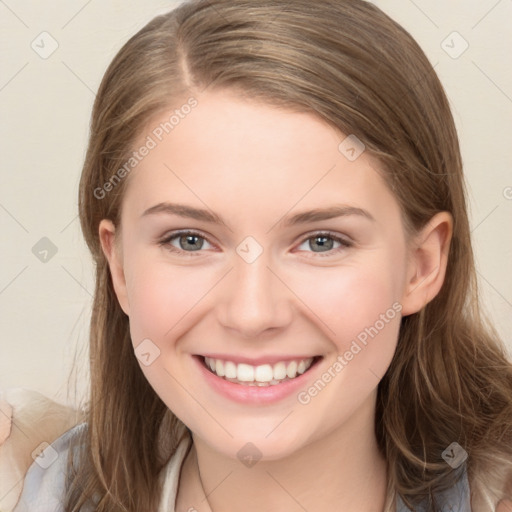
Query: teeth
point(291, 370)
point(280, 371)
point(219, 368)
point(263, 375)
point(245, 373)
point(229, 368)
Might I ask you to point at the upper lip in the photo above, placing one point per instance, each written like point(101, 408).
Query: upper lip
point(270, 359)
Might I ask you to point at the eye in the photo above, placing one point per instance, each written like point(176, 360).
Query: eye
point(325, 243)
point(193, 241)
point(184, 241)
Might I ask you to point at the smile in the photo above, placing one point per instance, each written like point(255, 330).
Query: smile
point(261, 375)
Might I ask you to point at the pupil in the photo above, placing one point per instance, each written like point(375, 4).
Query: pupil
point(325, 243)
point(190, 242)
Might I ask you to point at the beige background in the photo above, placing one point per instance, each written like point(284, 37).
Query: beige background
point(45, 106)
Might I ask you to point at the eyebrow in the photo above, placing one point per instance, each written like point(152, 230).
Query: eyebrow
point(304, 217)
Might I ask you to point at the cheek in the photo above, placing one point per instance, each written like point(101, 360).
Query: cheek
point(360, 314)
point(161, 296)
point(348, 300)
point(358, 307)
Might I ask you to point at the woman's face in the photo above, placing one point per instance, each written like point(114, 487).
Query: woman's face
point(296, 254)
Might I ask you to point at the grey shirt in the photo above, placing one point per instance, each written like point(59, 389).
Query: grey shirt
point(44, 484)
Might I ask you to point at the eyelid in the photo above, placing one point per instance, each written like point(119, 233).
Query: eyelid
point(345, 242)
point(174, 233)
point(326, 232)
point(166, 239)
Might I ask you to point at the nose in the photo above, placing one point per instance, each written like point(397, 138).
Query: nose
point(253, 300)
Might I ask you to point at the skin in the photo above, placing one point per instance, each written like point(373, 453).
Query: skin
point(255, 165)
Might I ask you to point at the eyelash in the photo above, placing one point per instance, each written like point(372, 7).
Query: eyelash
point(345, 244)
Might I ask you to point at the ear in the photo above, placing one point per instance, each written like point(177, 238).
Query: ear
point(427, 261)
point(112, 249)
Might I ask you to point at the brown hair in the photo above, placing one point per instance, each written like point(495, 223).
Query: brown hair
point(351, 65)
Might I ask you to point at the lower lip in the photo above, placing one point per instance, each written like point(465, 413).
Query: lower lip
point(254, 394)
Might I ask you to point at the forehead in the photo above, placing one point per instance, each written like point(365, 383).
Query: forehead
point(237, 151)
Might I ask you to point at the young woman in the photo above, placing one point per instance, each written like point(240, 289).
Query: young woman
point(286, 313)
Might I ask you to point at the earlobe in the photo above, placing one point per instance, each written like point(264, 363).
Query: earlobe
point(111, 248)
point(427, 263)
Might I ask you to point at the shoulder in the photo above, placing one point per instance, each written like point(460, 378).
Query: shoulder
point(29, 423)
point(44, 484)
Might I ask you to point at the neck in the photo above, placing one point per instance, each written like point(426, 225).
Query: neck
point(343, 470)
